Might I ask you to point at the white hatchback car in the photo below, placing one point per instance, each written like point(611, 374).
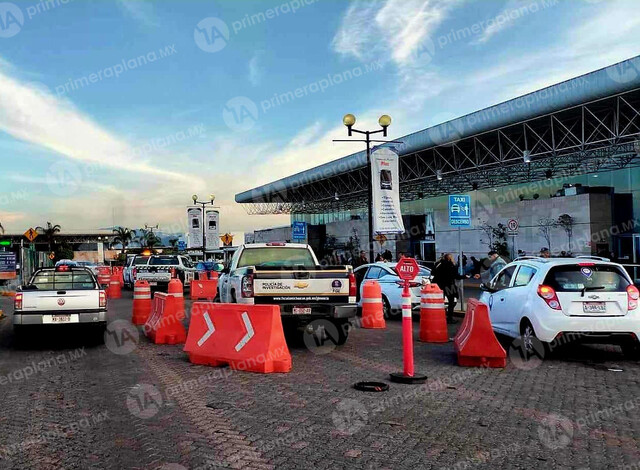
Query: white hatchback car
point(391, 285)
point(585, 298)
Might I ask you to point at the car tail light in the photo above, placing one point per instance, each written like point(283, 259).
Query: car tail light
point(134, 272)
point(247, 286)
point(352, 285)
point(276, 244)
point(550, 297)
point(632, 297)
point(17, 302)
point(173, 273)
point(63, 268)
point(103, 299)
point(586, 264)
point(412, 284)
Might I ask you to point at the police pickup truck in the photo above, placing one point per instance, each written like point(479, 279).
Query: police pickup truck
point(289, 275)
point(162, 268)
point(58, 296)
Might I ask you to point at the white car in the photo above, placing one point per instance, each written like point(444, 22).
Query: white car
point(565, 299)
point(391, 285)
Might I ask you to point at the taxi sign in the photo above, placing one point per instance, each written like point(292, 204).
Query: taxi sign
point(31, 234)
point(407, 269)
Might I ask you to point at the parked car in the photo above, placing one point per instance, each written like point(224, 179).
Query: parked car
point(160, 269)
point(130, 269)
point(64, 294)
point(391, 285)
point(289, 275)
point(545, 299)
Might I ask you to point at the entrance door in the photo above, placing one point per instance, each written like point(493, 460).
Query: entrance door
point(428, 251)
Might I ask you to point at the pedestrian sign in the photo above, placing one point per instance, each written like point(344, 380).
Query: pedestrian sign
point(299, 230)
point(460, 210)
point(31, 234)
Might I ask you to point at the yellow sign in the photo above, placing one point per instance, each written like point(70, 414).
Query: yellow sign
point(227, 239)
point(31, 234)
point(52, 255)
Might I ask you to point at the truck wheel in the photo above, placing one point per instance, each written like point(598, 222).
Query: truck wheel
point(343, 327)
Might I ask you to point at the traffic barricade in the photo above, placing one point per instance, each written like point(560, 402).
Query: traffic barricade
point(372, 308)
point(246, 337)
point(433, 319)
point(164, 325)
point(104, 276)
point(141, 302)
point(175, 289)
point(476, 343)
point(204, 289)
point(114, 291)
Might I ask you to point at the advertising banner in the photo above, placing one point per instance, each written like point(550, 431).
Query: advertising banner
point(387, 217)
point(194, 222)
point(7, 265)
point(213, 229)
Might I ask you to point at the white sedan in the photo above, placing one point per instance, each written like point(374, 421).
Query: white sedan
point(391, 285)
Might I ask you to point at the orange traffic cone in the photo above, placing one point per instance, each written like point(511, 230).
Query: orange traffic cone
point(433, 319)
point(141, 302)
point(175, 289)
point(114, 291)
point(372, 311)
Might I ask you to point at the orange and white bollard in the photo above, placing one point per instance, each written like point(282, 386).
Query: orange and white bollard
point(175, 289)
point(372, 308)
point(114, 291)
point(141, 302)
point(433, 319)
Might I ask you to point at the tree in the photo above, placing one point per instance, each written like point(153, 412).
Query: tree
point(49, 232)
point(1, 229)
point(500, 240)
point(488, 231)
point(173, 243)
point(544, 227)
point(123, 236)
point(146, 238)
point(566, 222)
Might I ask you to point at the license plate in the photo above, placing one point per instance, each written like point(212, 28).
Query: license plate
point(153, 283)
point(594, 307)
point(55, 319)
point(302, 310)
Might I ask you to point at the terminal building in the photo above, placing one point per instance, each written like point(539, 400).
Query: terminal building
point(568, 151)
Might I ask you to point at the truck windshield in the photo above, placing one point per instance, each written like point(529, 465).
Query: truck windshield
point(163, 261)
point(140, 260)
point(276, 257)
point(70, 280)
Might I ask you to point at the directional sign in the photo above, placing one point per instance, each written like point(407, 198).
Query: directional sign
point(460, 210)
point(182, 245)
point(512, 226)
point(31, 234)
point(249, 327)
point(210, 329)
point(299, 230)
point(407, 269)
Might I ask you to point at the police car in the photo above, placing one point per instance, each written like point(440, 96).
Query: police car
point(585, 298)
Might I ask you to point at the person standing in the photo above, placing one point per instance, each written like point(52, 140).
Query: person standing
point(445, 275)
point(496, 263)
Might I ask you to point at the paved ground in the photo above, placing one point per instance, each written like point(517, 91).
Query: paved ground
point(68, 402)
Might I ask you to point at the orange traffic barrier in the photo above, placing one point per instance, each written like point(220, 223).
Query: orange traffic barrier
point(372, 311)
point(114, 291)
point(476, 343)
point(119, 270)
point(175, 289)
point(203, 275)
point(247, 337)
point(104, 276)
point(141, 302)
point(433, 319)
point(204, 289)
point(164, 325)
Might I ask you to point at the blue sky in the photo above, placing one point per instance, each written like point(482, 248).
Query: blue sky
point(117, 111)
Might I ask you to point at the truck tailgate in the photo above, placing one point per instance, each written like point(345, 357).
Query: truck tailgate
point(301, 286)
point(60, 301)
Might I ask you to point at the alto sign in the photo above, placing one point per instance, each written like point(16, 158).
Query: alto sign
point(407, 269)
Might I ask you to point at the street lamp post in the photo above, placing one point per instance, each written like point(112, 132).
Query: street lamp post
point(212, 198)
point(385, 121)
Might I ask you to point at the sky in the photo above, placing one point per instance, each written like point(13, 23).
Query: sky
point(114, 112)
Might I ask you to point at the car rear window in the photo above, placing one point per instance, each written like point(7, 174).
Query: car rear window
point(163, 261)
point(70, 280)
point(574, 278)
point(276, 257)
point(140, 260)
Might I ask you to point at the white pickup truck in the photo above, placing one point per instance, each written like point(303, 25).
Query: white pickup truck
point(61, 295)
point(162, 268)
point(289, 275)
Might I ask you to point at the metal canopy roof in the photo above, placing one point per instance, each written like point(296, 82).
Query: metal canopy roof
point(586, 124)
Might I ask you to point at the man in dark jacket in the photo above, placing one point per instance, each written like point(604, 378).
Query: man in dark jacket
point(445, 275)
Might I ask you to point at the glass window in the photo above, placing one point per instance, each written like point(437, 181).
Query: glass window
point(163, 261)
point(141, 260)
point(504, 278)
point(276, 257)
point(574, 278)
point(524, 276)
point(70, 280)
point(374, 273)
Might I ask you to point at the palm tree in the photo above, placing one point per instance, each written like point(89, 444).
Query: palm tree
point(146, 238)
point(49, 233)
point(123, 236)
point(1, 229)
point(173, 242)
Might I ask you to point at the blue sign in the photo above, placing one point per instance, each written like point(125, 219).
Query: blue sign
point(460, 210)
point(182, 245)
point(7, 262)
point(299, 230)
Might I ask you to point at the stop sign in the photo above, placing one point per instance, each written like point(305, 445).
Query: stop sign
point(407, 269)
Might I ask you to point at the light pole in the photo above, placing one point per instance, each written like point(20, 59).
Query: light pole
point(212, 198)
point(385, 121)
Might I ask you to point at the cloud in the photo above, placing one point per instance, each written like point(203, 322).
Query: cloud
point(256, 71)
point(36, 116)
point(140, 10)
point(513, 11)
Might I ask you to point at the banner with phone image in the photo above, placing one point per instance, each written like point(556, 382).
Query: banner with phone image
point(194, 219)
point(213, 230)
point(387, 217)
